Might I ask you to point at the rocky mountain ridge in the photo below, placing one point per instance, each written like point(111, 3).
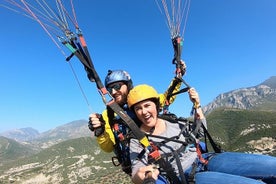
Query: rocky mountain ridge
point(21, 134)
point(262, 97)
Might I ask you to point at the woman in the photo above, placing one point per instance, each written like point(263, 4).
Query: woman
point(219, 168)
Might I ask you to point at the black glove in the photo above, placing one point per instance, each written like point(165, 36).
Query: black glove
point(99, 130)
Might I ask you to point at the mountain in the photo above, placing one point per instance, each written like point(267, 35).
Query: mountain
point(72, 130)
point(260, 97)
point(22, 134)
point(244, 130)
point(11, 150)
point(245, 119)
point(271, 82)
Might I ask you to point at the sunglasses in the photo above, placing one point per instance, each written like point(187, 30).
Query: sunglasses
point(116, 86)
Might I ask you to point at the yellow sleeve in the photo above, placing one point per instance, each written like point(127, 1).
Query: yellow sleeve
point(106, 141)
point(163, 97)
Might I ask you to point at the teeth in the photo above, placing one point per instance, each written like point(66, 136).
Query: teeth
point(147, 117)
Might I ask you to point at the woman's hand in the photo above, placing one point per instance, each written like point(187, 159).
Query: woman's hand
point(143, 172)
point(194, 97)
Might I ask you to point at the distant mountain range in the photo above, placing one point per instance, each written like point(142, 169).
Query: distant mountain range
point(259, 97)
point(71, 130)
point(22, 134)
point(240, 120)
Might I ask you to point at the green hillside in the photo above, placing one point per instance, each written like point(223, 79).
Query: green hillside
point(12, 150)
point(234, 128)
point(73, 161)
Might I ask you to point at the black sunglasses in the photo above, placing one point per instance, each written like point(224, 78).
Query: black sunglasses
point(116, 86)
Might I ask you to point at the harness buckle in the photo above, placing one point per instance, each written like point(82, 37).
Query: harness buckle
point(121, 136)
point(155, 155)
point(115, 161)
point(202, 160)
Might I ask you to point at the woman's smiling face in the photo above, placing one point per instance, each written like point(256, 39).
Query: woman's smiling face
point(146, 112)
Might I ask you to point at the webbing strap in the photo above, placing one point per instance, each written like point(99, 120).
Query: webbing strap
point(180, 91)
point(214, 145)
point(131, 124)
point(169, 169)
point(154, 156)
point(171, 89)
point(179, 166)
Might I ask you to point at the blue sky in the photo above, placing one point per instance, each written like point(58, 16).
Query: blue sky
point(227, 45)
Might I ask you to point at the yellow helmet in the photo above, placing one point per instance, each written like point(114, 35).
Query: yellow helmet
point(140, 93)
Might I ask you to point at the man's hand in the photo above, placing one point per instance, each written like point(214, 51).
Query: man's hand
point(96, 124)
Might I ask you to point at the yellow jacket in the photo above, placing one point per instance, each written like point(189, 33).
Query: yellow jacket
point(106, 141)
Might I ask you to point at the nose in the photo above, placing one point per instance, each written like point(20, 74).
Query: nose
point(113, 91)
point(144, 110)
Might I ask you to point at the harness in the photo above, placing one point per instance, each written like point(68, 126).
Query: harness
point(162, 160)
point(122, 136)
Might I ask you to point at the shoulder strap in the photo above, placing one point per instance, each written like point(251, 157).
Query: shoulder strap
point(110, 116)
